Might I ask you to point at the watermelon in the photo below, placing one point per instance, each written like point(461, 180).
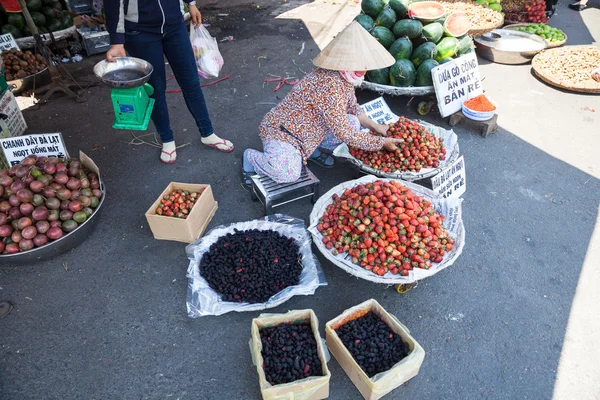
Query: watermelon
point(383, 36)
point(401, 48)
point(365, 21)
point(38, 19)
point(13, 30)
point(400, 7)
point(34, 5)
point(408, 27)
point(446, 47)
point(403, 73)
point(386, 18)
point(424, 73)
point(49, 13)
point(379, 76)
point(54, 26)
point(56, 5)
point(445, 60)
point(465, 44)
point(427, 11)
point(433, 32)
point(372, 7)
point(424, 52)
point(457, 24)
point(16, 20)
point(66, 21)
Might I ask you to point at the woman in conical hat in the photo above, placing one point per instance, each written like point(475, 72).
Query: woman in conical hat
point(321, 111)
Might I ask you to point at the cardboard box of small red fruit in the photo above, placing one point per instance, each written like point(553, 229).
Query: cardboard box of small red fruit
point(182, 212)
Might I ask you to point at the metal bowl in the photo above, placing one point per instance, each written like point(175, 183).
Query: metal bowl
point(39, 79)
point(125, 72)
point(58, 246)
point(501, 46)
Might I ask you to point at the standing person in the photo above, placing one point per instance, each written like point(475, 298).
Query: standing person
point(151, 30)
point(321, 110)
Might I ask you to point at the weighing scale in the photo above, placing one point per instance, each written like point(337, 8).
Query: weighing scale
point(128, 76)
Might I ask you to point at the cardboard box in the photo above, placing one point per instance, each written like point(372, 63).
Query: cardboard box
point(384, 382)
point(178, 229)
point(311, 388)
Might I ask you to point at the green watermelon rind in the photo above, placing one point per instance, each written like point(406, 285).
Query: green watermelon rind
point(426, 51)
point(446, 47)
point(465, 43)
point(365, 21)
point(448, 22)
point(403, 74)
point(410, 28)
point(400, 7)
point(387, 18)
point(372, 7)
point(383, 36)
point(379, 76)
point(16, 20)
point(433, 32)
point(13, 30)
point(401, 48)
point(38, 19)
point(424, 73)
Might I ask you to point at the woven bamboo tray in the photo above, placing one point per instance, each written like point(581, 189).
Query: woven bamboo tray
point(551, 45)
point(488, 19)
point(569, 59)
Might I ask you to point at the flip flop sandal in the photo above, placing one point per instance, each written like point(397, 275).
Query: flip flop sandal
point(320, 161)
point(246, 178)
point(170, 154)
point(224, 143)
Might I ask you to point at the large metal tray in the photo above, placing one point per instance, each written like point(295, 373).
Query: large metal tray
point(59, 246)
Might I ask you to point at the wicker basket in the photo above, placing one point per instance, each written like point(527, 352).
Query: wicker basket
point(587, 86)
point(551, 45)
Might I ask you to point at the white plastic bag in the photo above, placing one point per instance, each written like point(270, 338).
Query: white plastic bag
point(206, 52)
point(203, 300)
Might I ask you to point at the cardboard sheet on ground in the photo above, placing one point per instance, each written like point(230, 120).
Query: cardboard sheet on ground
point(450, 208)
point(452, 153)
point(202, 300)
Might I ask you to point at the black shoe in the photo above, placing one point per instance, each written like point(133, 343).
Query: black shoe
point(577, 6)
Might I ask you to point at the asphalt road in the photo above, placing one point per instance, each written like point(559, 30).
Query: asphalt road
point(108, 319)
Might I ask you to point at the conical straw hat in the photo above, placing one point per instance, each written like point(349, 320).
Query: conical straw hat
point(354, 49)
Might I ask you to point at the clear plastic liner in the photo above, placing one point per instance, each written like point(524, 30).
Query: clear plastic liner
point(452, 154)
point(202, 300)
point(450, 208)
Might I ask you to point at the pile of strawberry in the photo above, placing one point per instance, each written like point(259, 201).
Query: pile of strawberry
point(385, 227)
point(178, 203)
point(420, 149)
point(533, 11)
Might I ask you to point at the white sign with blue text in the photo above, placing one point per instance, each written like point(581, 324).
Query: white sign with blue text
point(379, 111)
point(42, 144)
point(452, 181)
point(455, 82)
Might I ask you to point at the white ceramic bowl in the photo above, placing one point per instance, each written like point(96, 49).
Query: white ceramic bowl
point(477, 115)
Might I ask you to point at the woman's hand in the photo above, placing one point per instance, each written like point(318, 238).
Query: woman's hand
point(381, 129)
point(196, 16)
point(116, 50)
point(390, 144)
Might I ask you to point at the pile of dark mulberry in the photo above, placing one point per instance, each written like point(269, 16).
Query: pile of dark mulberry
point(251, 266)
point(290, 353)
point(374, 346)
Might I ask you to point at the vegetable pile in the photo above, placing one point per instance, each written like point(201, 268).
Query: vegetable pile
point(47, 15)
point(385, 227)
point(547, 32)
point(42, 199)
point(417, 45)
point(373, 345)
point(420, 149)
point(178, 203)
point(251, 266)
point(290, 353)
point(532, 11)
point(18, 65)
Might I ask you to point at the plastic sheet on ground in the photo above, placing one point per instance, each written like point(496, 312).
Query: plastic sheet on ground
point(450, 208)
point(452, 154)
point(202, 300)
point(398, 91)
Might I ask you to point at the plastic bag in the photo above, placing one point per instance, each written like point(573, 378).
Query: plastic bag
point(206, 51)
point(450, 208)
point(203, 300)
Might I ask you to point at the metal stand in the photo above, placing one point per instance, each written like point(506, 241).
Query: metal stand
point(57, 84)
point(273, 194)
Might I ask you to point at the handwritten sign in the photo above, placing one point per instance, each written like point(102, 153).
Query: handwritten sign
point(452, 181)
point(456, 81)
point(379, 111)
point(44, 144)
point(7, 42)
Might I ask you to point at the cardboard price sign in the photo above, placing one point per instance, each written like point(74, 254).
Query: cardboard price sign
point(452, 181)
point(455, 82)
point(43, 144)
point(7, 42)
point(379, 111)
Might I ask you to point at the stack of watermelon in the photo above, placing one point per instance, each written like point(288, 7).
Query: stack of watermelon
point(48, 16)
point(420, 36)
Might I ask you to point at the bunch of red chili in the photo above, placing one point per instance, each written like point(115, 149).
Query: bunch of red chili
point(480, 103)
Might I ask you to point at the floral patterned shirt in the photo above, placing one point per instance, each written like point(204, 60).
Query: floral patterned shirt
point(318, 104)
